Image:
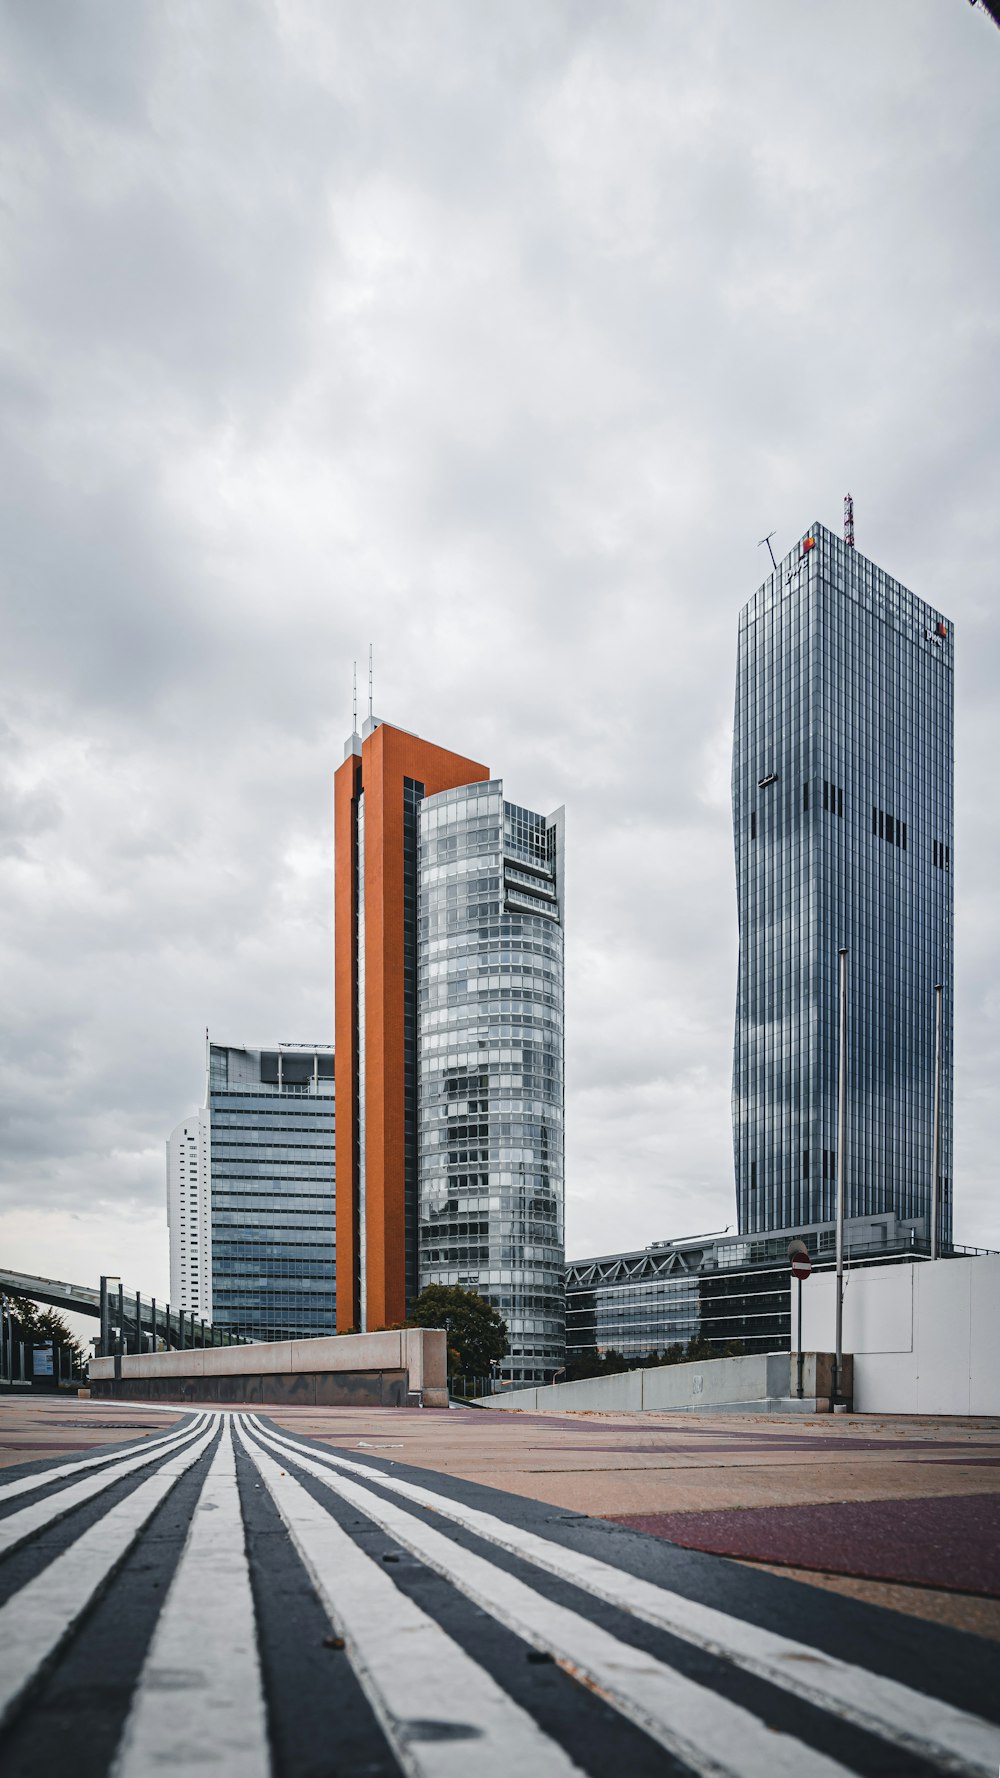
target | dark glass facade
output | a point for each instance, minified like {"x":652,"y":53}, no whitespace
{"x":721,"y":1289}
{"x":843,"y":827}
{"x":272,"y":1191}
{"x":490,"y":1048}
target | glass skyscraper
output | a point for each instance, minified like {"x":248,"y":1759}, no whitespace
{"x":490,"y":1057}
{"x":273,"y":1211}
{"x":843,"y":827}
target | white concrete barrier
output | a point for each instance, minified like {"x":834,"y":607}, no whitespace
{"x":763,"y":1382}
{"x":925,"y":1334}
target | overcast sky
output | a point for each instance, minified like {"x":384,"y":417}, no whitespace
{"x":496,"y":334}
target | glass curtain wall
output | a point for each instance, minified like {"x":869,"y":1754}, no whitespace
{"x":490,"y":1057}
{"x":843,"y":827}
{"x":273,"y":1204}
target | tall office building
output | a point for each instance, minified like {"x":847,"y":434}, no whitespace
{"x":843,"y":825}
{"x":490,"y":1047}
{"x":449,"y":1009}
{"x":189,"y":1216}
{"x":266,"y":1229}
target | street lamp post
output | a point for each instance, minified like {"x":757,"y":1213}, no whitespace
{"x":838,"y":1358}
{"x":936,"y":1138}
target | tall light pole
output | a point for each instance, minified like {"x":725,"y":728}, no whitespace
{"x":838,"y":1359}
{"x":936,"y":1139}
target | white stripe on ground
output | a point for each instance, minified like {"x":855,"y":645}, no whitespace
{"x":700,"y":1727}
{"x":200,"y":1701}
{"x":38,"y":1618}
{"x":444,"y":1716}
{"x":42,"y":1477}
{"x":45,"y":1512}
{"x":926,"y":1726}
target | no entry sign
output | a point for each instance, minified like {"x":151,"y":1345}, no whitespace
{"x":801,"y":1265}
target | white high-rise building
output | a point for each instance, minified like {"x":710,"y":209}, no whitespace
{"x":189,"y":1215}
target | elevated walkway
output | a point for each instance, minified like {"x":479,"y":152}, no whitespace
{"x":125,"y":1315}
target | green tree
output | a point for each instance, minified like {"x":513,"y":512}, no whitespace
{"x":44,"y":1324}
{"x":477,"y":1332}
{"x":599,"y":1364}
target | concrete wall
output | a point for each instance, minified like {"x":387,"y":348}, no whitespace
{"x":718,"y":1382}
{"x":925,"y":1334}
{"x":372,"y":1370}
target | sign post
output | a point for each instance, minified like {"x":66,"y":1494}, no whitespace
{"x":801,"y":1264}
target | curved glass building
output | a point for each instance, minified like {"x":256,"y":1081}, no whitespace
{"x":490,"y":1061}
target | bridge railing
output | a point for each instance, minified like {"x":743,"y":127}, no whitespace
{"x":132,"y":1323}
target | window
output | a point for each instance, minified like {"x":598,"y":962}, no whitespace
{"x":805,"y":1163}
{"x":889,"y":827}
{"x":805,"y":796}
{"x":753,"y":824}
{"x":753,"y":1176}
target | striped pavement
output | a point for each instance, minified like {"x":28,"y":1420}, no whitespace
{"x":234,"y":1599}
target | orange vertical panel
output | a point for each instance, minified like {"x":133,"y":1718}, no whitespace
{"x":387,"y":757}
{"x":345,"y":783}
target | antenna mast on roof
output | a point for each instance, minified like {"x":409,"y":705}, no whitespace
{"x":369,"y":682}
{"x":849,"y":520}
{"x":770,"y":551}
{"x":354,"y":702}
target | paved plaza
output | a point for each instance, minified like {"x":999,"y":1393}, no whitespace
{"x":302,"y":1593}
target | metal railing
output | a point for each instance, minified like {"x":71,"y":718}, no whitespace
{"x":132,"y":1323}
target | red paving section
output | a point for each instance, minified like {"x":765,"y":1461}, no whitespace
{"x":951,"y":1542}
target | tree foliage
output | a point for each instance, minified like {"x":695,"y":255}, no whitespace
{"x":40,"y":1324}
{"x":477,"y":1332}
{"x":612,"y":1363}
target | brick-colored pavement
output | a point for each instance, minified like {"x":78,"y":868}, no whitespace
{"x":36,"y":1428}
{"x":640,"y":1468}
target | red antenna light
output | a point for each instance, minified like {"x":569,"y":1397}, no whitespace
{"x":849,"y":520}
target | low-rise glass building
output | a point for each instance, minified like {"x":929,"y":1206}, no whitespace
{"x":720,"y":1289}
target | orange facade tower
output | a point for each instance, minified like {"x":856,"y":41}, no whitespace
{"x":377,"y":793}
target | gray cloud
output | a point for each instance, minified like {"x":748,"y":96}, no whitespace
{"x":498,"y":336}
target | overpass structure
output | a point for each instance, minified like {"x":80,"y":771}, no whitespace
{"x":129,"y":1322}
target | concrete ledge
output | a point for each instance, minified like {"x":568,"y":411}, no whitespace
{"x":762,"y":1383}
{"x":388,"y":1369}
